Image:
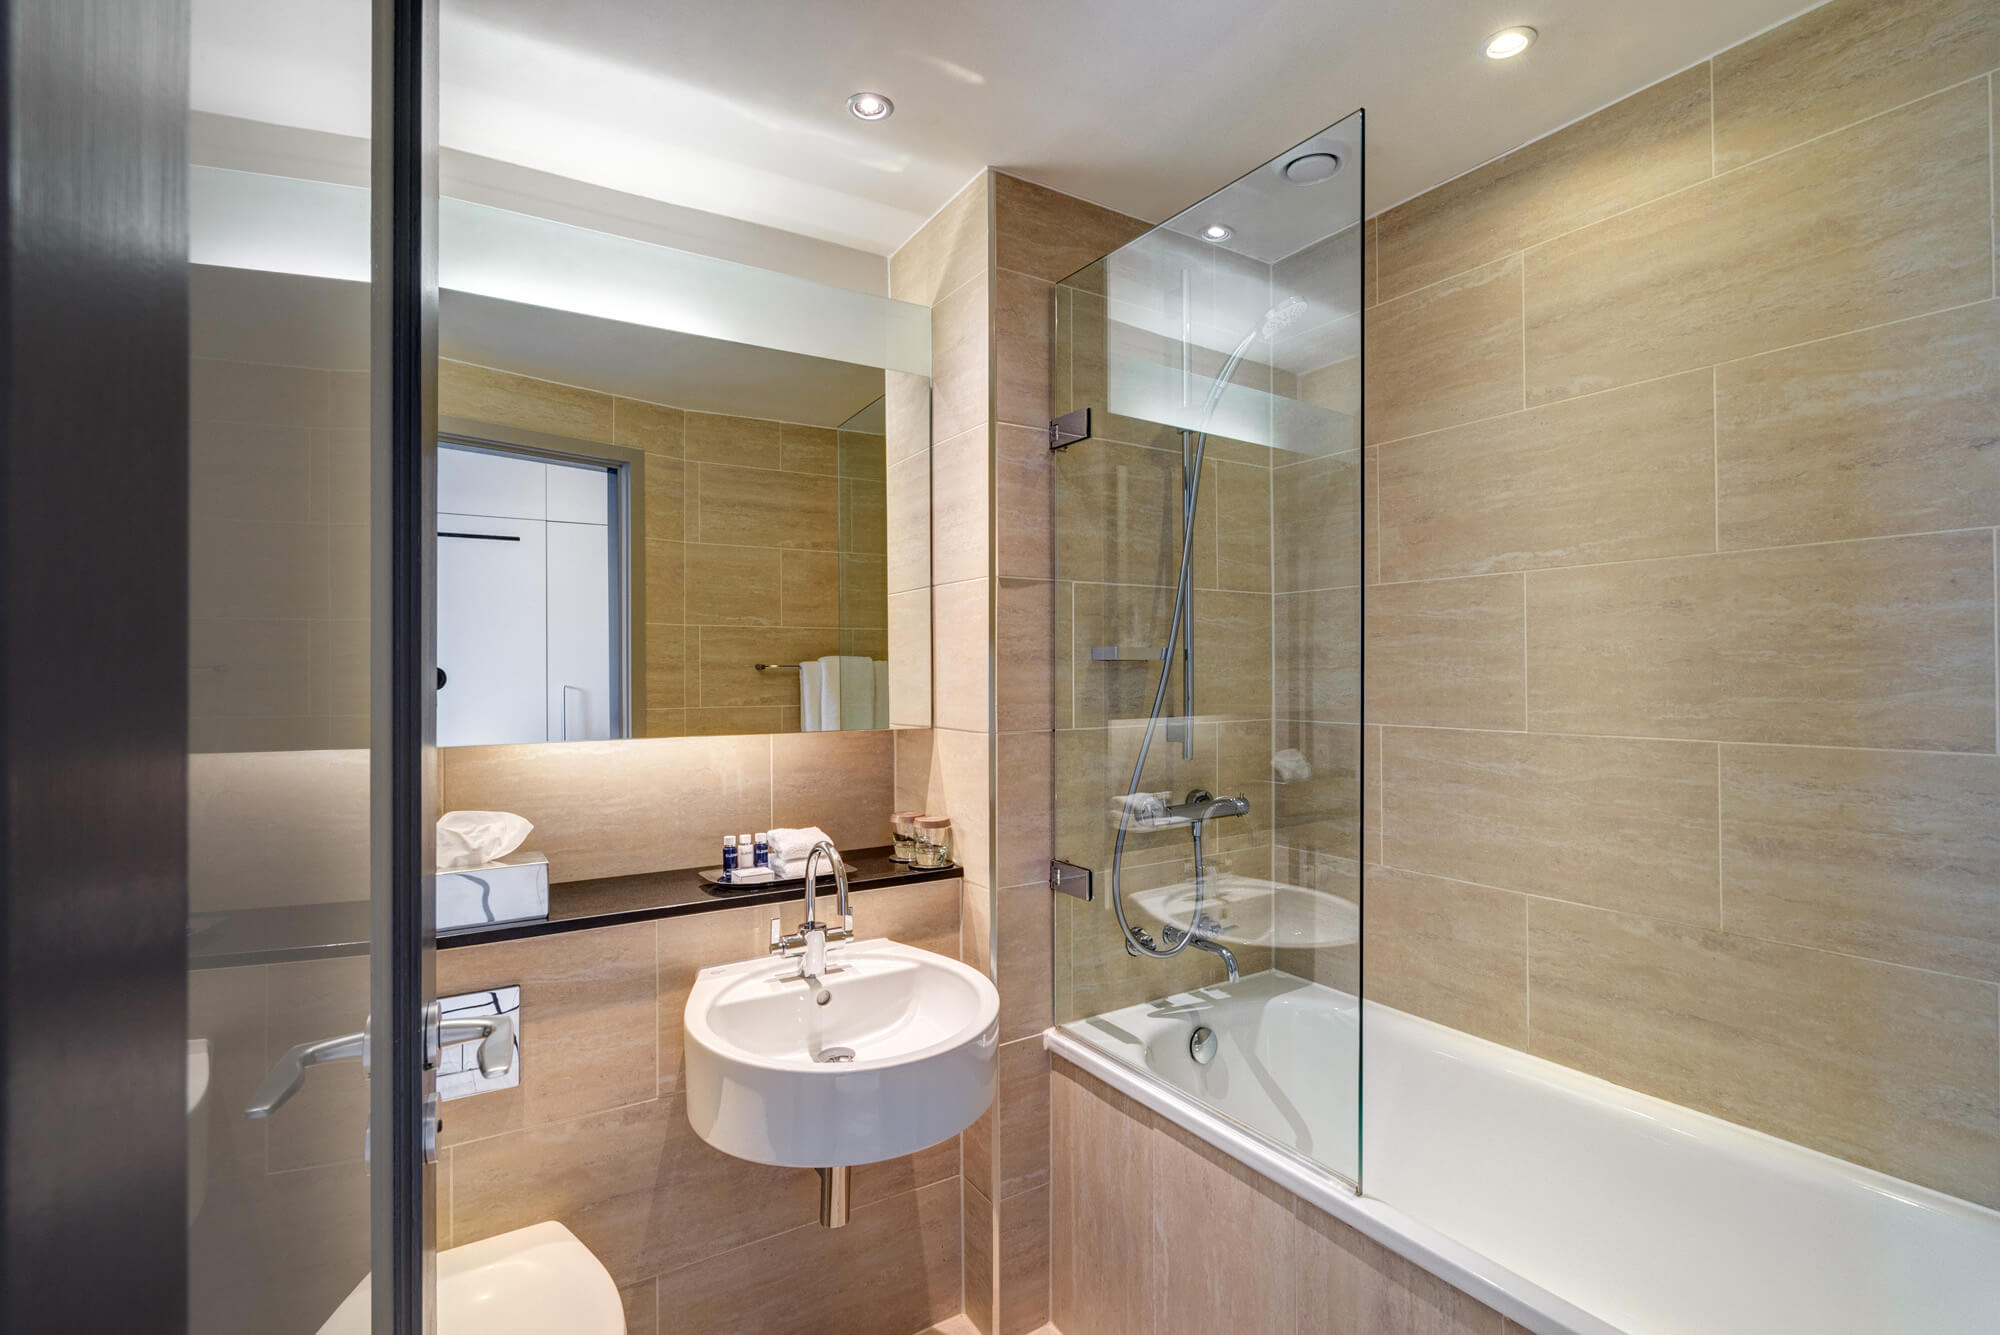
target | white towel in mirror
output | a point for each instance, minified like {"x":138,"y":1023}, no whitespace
{"x":810,"y":687}
{"x":847,"y":692}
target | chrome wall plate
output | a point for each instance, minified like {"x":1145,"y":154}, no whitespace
{"x":458,"y":1065}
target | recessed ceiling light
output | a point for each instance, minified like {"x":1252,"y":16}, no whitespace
{"x":870,"y":106}
{"x":1509,"y":42}
{"x":1217,"y":232}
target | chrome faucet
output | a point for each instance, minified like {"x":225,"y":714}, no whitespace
{"x":1198,"y":931}
{"x":813,"y":936}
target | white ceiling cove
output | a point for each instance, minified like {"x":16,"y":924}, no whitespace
{"x":1142,"y":105}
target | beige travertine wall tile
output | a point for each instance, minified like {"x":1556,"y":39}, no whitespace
{"x":1318,"y":663}
{"x":589,"y":1025}
{"x":625,"y":1182}
{"x":1609,"y":477}
{"x":961,"y":367}
{"x":1892,"y":856}
{"x":617,"y":808}
{"x":740,"y":720}
{"x":1889,"y":430}
{"x":1447,"y":354}
{"x":959,"y":498}
{"x":1840,"y":63}
{"x":1118,"y":515}
{"x":1200,"y":1195}
{"x":979,"y":1220}
{"x":854,"y":1289}
{"x":1050,"y":235}
{"x":1884,"y":220}
{"x":1450,"y":952}
{"x":1023,"y":923}
{"x":666,"y":499}
{"x":1350,"y":1285}
{"x":908,"y":496}
{"x":843,"y":782}
{"x":747,"y":442}
{"x":726,"y":657}
{"x":1023,"y":502}
{"x":809,"y":449}
{"x":642,"y":1315}
{"x":766,"y":508}
{"x":809,"y":592}
{"x":910,"y":659}
{"x":948,"y":251}
{"x":666,"y":582}
{"x":1103,"y":1151}
{"x":487,"y":395}
{"x":685,"y":946}
{"x":1023,"y":320}
{"x":1026,"y":625}
{"x":1460,"y":642}
{"x":1315,"y":524}
{"x":1023,"y":1235}
{"x":1886,"y":643}
{"x":1232,"y":654}
{"x":1651,"y":144}
{"x":1882,"y":1065}
{"x":1320,"y":812}
{"x":1023,"y":1106}
{"x":1621,"y":824}
{"x":961,"y":787}
{"x":961,"y":637}
{"x":651,"y":427}
{"x":735,"y":586}
{"x":1238,"y":526}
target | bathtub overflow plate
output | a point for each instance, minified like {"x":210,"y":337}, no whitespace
{"x":1202,"y":1045}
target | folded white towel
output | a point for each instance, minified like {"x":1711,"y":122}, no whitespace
{"x":475,"y":838}
{"x":1291,"y":765}
{"x":847,"y":696}
{"x":812,"y":683}
{"x":790,"y":847}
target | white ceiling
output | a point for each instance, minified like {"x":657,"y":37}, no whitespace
{"x":1142,"y":105}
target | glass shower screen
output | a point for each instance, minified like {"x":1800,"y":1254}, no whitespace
{"x":1208,"y":600}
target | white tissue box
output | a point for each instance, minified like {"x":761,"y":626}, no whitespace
{"x":514,"y":889}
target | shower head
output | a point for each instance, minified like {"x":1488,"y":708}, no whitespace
{"x":1280,"y":315}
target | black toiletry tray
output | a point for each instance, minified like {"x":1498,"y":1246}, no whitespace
{"x":711,"y":878}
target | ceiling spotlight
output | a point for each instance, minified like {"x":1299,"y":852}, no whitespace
{"x":870,"y":106}
{"x":1217,"y":232}
{"x":1509,"y":42}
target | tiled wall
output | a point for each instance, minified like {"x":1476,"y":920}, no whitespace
{"x":652,"y":804}
{"x":1157,"y":1233}
{"x":745,"y":524}
{"x":1681,"y":674}
{"x":595,"y":1136}
{"x":278,"y":558}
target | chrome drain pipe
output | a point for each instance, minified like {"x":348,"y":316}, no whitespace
{"x":835,"y":1186}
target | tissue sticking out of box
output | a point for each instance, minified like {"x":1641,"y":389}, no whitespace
{"x":475,"y":838}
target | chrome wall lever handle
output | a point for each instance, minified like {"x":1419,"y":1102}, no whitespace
{"x":496,"y":1036}
{"x":290,"y":1073}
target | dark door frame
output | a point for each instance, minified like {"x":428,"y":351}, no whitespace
{"x":93,"y":666}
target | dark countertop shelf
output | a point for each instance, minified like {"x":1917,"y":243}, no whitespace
{"x":327,"y":931}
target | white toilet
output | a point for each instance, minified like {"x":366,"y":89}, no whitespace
{"x":534,"y":1281}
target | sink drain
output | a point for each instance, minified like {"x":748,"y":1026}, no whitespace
{"x":835,"y":1055}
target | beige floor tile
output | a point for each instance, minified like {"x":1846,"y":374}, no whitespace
{"x":1450,"y":952}
{"x":1621,"y":824}
{"x":1834,"y":65}
{"x":1885,"y":1066}
{"x":1884,"y":431}
{"x":1654,"y":142}
{"x":1886,"y":643}
{"x":1892,"y":856}
{"x":1609,"y":477}
{"x":1881,"y":221}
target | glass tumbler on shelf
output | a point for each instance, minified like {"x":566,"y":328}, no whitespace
{"x":903,"y":827}
{"x":933,"y":841}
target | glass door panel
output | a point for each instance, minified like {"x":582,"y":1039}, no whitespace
{"x":1209,"y":572}
{"x":290,"y":820}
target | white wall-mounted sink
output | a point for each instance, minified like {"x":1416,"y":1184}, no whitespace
{"x":900,"y":1057}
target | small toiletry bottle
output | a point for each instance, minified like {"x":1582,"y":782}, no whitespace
{"x":763,"y":853}
{"x":746,"y":852}
{"x":728,"y":856}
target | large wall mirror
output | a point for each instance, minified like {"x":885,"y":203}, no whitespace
{"x":677,"y":495}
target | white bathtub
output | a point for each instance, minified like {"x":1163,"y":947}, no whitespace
{"x":1573,"y":1206}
